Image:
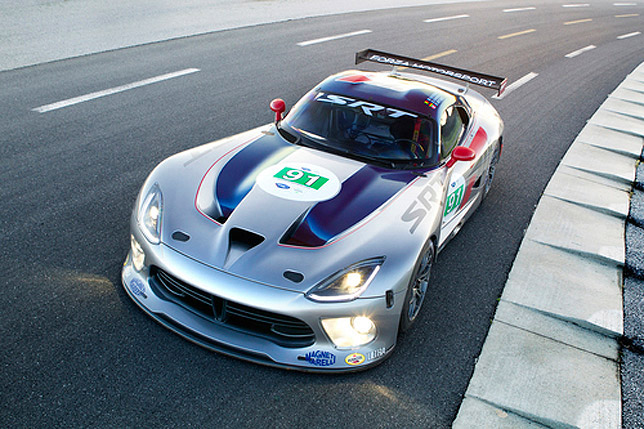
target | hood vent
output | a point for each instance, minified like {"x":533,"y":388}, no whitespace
{"x":244,"y":239}
{"x":240,"y":242}
{"x":293,"y":276}
{"x":180,"y":236}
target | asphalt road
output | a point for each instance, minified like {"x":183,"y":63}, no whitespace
{"x":77,"y":352}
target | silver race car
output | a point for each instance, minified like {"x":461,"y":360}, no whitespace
{"x":308,"y":243}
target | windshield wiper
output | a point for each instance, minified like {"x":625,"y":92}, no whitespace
{"x":400,"y":164}
{"x":393,"y":163}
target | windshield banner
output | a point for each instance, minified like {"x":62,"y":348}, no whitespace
{"x":486,"y":80}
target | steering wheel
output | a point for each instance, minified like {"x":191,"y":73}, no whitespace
{"x":408,"y":144}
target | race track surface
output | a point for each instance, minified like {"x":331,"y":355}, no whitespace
{"x":77,"y":352}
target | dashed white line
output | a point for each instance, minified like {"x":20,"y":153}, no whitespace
{"x":624,"y":4}
{"x":336,"y":37}
{"x":626,"y":36}
{"x":519,"y":9}
{"x":514,"y":85}
{"x":575,"y":5}
{"x":446,"y":18}
{"x":98,"y":94}
{"x":628,"y":15}
{"x":580,"y":51}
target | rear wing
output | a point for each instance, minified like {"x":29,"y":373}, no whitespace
{"x":486,"y":80}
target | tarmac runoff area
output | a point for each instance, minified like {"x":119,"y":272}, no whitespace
{"x":560,"y":336}
{"x":36,"y":31}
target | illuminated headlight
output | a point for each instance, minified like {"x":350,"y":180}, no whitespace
{"x":149,"y":215}
{"x":349,"y":332}
{"x":348,"y":284}
{"x":137,"y":254}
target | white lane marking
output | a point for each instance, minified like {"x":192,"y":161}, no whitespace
{"x":628,"y":15}
{"x":626,"y":36}
{"x":336,"y":37}
{"x":99,"y":94}
{"x":580,"y":51}
{"x":624,"y":4}
{"x":519,"y":9}
{"x":514,"y":85}
{"x":576,"y":5}
{"x":446,"y":18}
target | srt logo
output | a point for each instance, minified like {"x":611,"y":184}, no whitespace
{"x":419,"y":208}
{"x":368,"y":108}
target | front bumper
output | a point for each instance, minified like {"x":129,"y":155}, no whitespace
{"x":320,"y":356}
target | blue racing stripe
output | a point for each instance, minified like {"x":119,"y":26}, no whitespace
{"x":237,"y":178}
{"x":361,"y":194}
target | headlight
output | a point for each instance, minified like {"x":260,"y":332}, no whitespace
{"x":149,"y":216}
{"x":348,"y":284}
{"x":350,"y":332}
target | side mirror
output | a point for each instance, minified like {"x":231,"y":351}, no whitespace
{"x":461,"y":153}
{"x":278,"y":106}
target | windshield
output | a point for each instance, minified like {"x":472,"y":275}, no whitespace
{"x":362,"y":129}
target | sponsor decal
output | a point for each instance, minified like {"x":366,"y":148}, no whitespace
{"x":299,"y":182}
{"x":433,"y":101}
{"x":375,"y":354}
{"x":355,"y":359}
{"x":320,"y":358}
{"x":422,"y":205}
{"x":476,"y":78}
{"x":471,"y":77}
{"x":137,"y":288}
{"x":367,"y":108}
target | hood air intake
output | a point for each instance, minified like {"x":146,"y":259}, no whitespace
{"x":240,"y":242}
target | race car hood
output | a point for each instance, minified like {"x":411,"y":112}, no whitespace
{"x":266,"y":200}
{"x":316,"y":196}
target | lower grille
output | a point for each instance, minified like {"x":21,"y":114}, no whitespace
{"x":283,"y":330}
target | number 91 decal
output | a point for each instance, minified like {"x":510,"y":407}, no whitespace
{"x":302,"y":177}
{"x":454,"y":198}
{"x":299,"y":182}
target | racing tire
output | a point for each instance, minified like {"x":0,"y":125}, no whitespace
{"x":491,"y":170}
{"x":418,"y":286}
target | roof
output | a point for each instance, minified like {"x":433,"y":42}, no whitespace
{"x":389,"y":90}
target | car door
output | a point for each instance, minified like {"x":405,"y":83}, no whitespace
{"x":454,"y":124}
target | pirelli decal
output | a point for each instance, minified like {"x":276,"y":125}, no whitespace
{"x":475,"y":78}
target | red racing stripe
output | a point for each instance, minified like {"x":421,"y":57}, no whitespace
{"x":479,"y":141}
{"x":468,"y":192}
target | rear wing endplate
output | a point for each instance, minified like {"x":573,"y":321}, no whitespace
{"x":475,"y":78}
